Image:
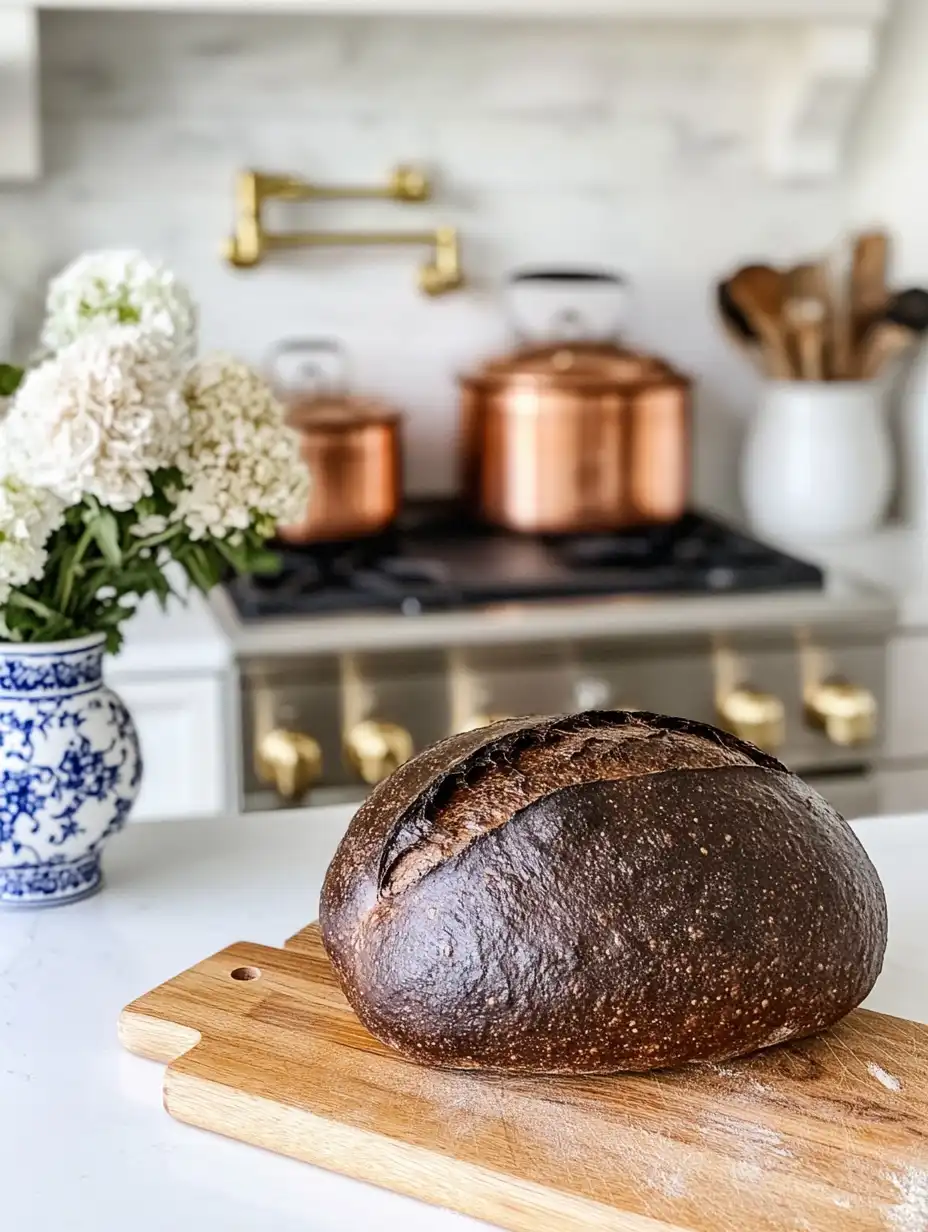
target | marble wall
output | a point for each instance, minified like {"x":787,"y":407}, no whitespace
{"x":632,"y":147}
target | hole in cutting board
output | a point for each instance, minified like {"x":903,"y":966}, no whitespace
{"x":246,"y":973}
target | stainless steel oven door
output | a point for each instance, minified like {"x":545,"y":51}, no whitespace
{"x":854,"y":794}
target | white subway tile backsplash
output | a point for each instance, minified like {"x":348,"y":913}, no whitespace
{"x":621,"y":145}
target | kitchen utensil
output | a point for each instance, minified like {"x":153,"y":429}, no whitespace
{"x":759,"y":292}
{"x":868,"y":293}
{"x":883,"y":343}
{"x":841,"y":334}
{"x":351,"y":445}
{"x":817,"y":461}
{"x":557,"y":304}
{"x":737,"y":325}
{"x":824,"y":1133}
{"x":576,"y":437}
{"x":808,"y":281}
{"x":740,"y":327}
{"x":909,"y":308}
{"x":805,"y":319}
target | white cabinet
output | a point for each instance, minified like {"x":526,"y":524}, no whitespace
{"x":186,"y":746}
{"x":19,"y":92}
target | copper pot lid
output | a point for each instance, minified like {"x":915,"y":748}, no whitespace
{"x":338,"y":413}
{"x":575,"y":364}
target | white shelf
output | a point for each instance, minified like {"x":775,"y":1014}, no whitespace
{"x":643,"y":10}
{"x":822,"y":54}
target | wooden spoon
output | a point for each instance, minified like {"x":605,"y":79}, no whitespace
{"x":733,"y":318}
{"x":738,"y":327}
{"x":808,"y":281}
{"x":759,"y":292}
{"x":806,"y":319}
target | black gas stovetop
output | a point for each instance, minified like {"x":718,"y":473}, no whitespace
{"x":436,"y":559}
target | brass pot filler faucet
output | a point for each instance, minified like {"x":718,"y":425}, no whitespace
{"x":252,"y":241}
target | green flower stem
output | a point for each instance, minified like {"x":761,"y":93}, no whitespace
{"x":18,"y":599}
{"x":70,"y":570}
{"x":153,"y":541}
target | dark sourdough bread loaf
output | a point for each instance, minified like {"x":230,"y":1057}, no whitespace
{"x":599,"y":892}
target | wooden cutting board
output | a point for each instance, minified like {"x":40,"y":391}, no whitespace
{"x":828,"y":1133}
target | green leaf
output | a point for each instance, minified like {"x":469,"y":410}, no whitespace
{"x":263,"y":561}
{"x":18,"y":599}
{"x":204,"y":568}
{"x":10,"y":379}
{"x":105,"y":530}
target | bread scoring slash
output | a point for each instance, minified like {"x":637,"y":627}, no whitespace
{"x":595,"y":893}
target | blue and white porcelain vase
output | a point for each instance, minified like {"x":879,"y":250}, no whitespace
{"x":70,"y":770}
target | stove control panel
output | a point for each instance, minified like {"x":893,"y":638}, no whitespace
{"x":327,"y":727}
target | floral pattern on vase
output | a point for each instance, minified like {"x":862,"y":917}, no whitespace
{"x":70,"y":770}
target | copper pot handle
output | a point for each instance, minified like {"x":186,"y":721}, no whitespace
{"x":324,"y":369}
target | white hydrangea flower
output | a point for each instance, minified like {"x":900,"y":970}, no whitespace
{"x":243,"y":463}
{"x":98,"y":418}
{"x":113,"y":287}
{"x":28,"y":516}
{"x":151,"y":524}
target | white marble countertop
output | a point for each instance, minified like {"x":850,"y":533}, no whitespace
{"x":84,"y":1142}
{"x":893,"y":559}
{"x":184,"y":638}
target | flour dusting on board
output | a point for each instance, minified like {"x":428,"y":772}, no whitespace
{"x":562,"y":1132}
{"x":889,"y":1081}
{"x":741,"y":1077}
{"x":910,"y":1213}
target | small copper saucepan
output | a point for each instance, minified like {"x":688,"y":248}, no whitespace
{"x":351,"y":445}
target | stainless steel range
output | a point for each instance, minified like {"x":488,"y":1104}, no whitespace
{"x":352,"y":658}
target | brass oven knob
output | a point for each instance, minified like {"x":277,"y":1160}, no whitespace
{"x":756,"y":716}
{"x":289,"y":761}
{"x":846,"y":712}
{"x":375,"y":748}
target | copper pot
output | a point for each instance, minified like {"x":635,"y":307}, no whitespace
{"x":576,"y":437}
{"x":351,"y":447}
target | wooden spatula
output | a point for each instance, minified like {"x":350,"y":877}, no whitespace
{"x":760,"y":292}
{"x":883,"y":343}
{"x":840,"y":335}
{"x":868,"y":290}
